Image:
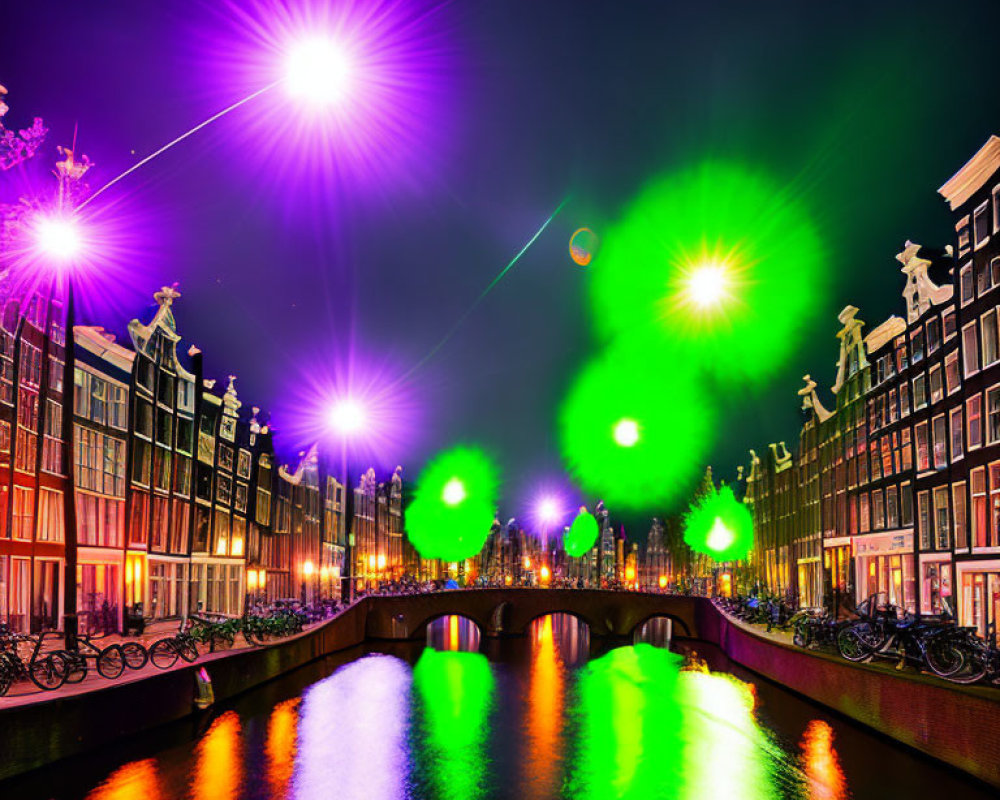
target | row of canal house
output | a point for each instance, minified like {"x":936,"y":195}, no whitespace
{"x":180,"y":505}
{"x":896,"y":488}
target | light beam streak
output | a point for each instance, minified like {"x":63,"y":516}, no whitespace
{"x":465,"y":315}
{"x":178,"y":140}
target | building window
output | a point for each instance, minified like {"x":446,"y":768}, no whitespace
{"x":919,"y":391}
{"x":980,"y":521}
{"x":50,"y":516}
{"x":994,"y":503}
{"x":966,"y":287}
{"x":240,"y":501}
{"x":941,"y":521}
{"x":981,"y":225}
{"x":892,"y":507}
{"x":993,"y":415}
{"x":950,"y":321}
{"x":974,"y":415}
{"x":970,"y":349}
{"x":893,"y":406}
{"x":962,"y":230}
{"x":226,"y":457}
{"x":924,"y":519}
{"x":904,"y":399}
{"x":957,"y":441}
{"x":243,"y":464}
{"x":933,"y":334}
{"x":940,"y":439}
{"x":864,"y":515}
{"x":917,"y":346}
{"x":906,"y":504}
{"x":989,"y":337}
{"x":24,"y":513}
{"x":878,"y":510}
{"x":959,"y":516}
{"x":907,"y":450}
{"x":937,"y":386}
{"x":923,"y":451}
{"x":224,"y":489}
{"x":951,"y":377}
{"x":227,"y":430}
{"x":995,"y":272}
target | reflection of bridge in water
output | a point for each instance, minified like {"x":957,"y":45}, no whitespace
{"x":510,"y":612}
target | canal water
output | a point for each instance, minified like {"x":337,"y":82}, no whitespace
{"x":547,"y":716}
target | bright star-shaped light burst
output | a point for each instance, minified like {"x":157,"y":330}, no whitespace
{"x":706,"y":285}
{"x":347,"y":416}
{"x":362,"y":93}
{"x":318,"y":70}
{"x":626,"y":432}
{"x":453,"y":492}
{"x":58,"y":237}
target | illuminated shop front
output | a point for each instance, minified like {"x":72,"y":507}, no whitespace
{"x":979,"y":584}
{"x":936,"y":584}
{"x":884,"y":563}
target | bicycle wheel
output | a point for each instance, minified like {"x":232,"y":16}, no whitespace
{"x":135,"y":654}
{"x":76,"y":667}
{"x":944,"y":657}
{"x":111,"y":662}
{"x":188,"y":650}
{"x":975,"y":667}
{"x":49,"y":672}
{"x":5,"y":681}
{"x":852,"y":645}
{"x":163,"y":654}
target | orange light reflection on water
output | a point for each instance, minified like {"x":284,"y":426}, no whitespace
{"x":822,"y":766}
{"x":282,"y":736}
{"x":138,"y":780}
{"x":545,"y":714}
{"x":218,"y":764}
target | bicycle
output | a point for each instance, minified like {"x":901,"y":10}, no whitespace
{"x":110,"y":661}
{"x":165,"y":652}
{"x":48,"y":672}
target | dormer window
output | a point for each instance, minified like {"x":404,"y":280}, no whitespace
{"x":981,"y":225}
{"x":917,"y":346}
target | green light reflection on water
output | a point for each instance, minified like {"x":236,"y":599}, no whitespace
{"x":646,"y":729}
{"x":455,"y":696}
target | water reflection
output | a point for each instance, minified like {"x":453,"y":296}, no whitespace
{"x":455,"y":693}
{"x":280,"y":747}
{"x":543,"y":759}
{"x":218,"y":760}
{"x":824,"y":775}
{"x":656,"y":631}
{"x":453,"y":633}
{"x":136,"y":781}
{"x":647,"y":728}
{"x":352,"y":733}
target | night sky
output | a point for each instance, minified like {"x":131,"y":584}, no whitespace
{"x":870,"y":106}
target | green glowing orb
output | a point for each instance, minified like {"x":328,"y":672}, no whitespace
{"x":453,"y":504}
{"x":720,"y":526}
{"x":582,"y":534}
{"x":719,"y":262}
{"x":635,"y":431}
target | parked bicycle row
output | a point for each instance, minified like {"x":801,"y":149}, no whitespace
{"x":879,"y":630}
{"x":42,"y":660}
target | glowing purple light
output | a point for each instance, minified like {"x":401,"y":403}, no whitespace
{"x":319,"y":71}
{"x":57,"y":237}
{"x":548,"y":510}
{"x":363,"y":88}
{"x":347,"y":417}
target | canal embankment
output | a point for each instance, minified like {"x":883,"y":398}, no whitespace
{"x":958,"y":725}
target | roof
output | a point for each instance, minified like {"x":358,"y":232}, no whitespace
{"x":970,"y":178}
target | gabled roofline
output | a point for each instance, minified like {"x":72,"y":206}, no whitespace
{"x":971,"y":177}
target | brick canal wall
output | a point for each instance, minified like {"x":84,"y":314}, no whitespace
{"x":958,"y":725}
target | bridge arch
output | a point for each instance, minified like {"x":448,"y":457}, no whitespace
{"x":678,"y":626}
{"x":526,"y":628}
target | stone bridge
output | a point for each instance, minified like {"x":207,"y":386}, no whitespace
{"x":509,"y":612}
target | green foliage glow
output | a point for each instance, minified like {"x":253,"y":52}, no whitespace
{"x":454,"y":501}
{"x":633,"y":432}
{"x":719,"y":263}
{"x":456,"y":696}
{"x":720,"y":526}
{"x":582,"y":534}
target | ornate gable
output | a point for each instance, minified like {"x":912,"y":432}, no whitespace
{"x":920,"y":291}
{"x":144,"y":337}
{"x":852,"y":348}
